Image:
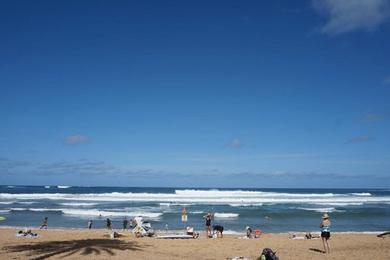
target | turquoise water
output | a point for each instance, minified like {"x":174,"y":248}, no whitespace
{"x":272,"y":210}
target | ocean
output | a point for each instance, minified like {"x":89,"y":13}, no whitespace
{"x":271,"y":210}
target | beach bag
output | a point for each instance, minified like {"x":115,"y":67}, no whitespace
{"x":268,"y":254}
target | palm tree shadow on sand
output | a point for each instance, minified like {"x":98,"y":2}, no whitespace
{"x":317,"y":250}
{"x":43,"y":250}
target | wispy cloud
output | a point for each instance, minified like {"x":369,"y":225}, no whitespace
{"x":373,"y":117}
{"x":345,"y":16}
{"x":235,"y":143}
{"x":76,"y":139}
{"x":7,"y":164}
{"x":359,"y":139}
{"x":89,"y":168}
{"x":386,"y":81}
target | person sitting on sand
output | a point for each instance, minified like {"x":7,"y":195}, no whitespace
{"x":190,"y":231}
{"x":26,"y":233}
{"x":249,"y":232}
{"x":45,"y":223}
{"x":219,"y":230}
{"x":208,"y":218}
{"x":309,"y":235}
{"x":325,"y":232}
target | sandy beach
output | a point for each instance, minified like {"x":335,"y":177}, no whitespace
{"x":96,"y":244}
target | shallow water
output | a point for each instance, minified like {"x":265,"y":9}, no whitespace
{"x":272,"y":210}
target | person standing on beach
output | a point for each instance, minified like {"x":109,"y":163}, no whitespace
{"x":109,"y":224}
{"x":207,"y":219}
{"x":125,"y":223}
{"x":90,"y":224}
{"x":45,"y":223}
{"x":325,"y":232}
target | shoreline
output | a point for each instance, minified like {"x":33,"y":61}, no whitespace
{"x":227,"y":232}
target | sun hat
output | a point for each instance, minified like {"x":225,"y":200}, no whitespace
{"x":247,"y":227}
{"x":325,"y":216}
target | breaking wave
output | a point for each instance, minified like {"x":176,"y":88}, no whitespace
{"x":322,"y":210}
{"x":76,"y":204}
{"x":226,"y":215}
{"x":234,"y":198}
{"x":93,"y":212}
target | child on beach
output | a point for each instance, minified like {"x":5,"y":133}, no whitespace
{"x":325,"y":232}
{"x":45,"y":223}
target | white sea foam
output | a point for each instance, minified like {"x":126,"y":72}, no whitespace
{"x":26,"y":202}
{"x":215,"y":197}
{"x":361,"y":194}
{"x":7,"y":202}
{"x":226,"y":215}
{"x":241,"y":193}
{"x":103,"y":213}
{"x":165,"y":204}
{"x":322,"y":210}
{"x":4,"y":210}
{"x":63,"y":187}
{"x":245,"y":204}
{"x":76,"y":204}
{"x":47,"y":187}
{"x":197,"y":212}
{"x":340,"y":204}
{"x":93,"y":212}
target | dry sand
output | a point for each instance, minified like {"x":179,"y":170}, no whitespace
{"x":95,"y":244}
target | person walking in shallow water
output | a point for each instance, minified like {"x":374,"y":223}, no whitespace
{"x":109,"y":223}
{"x":325,"y":232}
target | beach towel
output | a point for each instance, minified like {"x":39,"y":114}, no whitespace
{"x":27,"y":235}
{"x":175,"y":236}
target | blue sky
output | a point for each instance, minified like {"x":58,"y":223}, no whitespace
{"x":195,"y":93}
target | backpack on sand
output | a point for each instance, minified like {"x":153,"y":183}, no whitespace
{"x":268,"y":254}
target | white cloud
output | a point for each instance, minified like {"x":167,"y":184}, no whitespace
{"x":235,"y":143}
{"x":76,"y":139}
{"x":359,"y":139}
{"x":386,"y":81}
{"x":352,"y":15}
{"x":373,"y":117}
